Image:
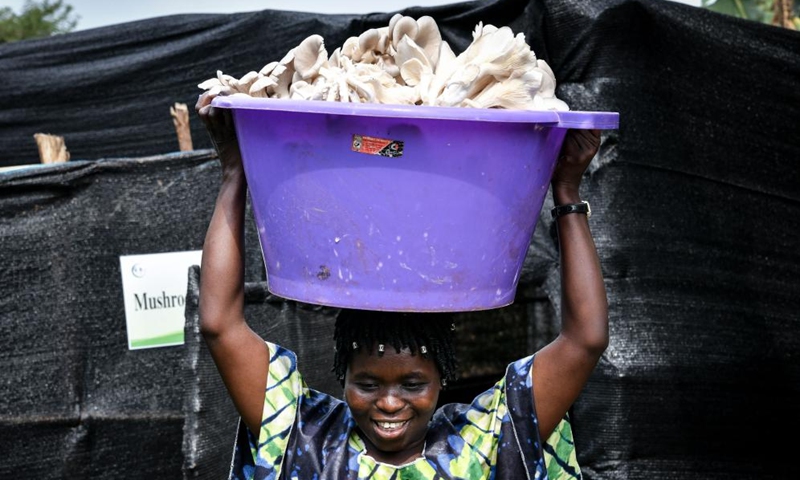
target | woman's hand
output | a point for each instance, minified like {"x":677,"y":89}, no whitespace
{"x":220,"y":127}
{"x":578,"y":149}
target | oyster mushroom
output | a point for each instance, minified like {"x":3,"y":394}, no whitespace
{"x":282,"y":75}
{"x":226,"y":80}
{"x":210,"y":83}
{"x":309,"y":56}
{"x":345,"y":94}
{"x":370,"y":41}
{"x":337,"y":89}
{"x":447,"y":64}
{"x":365,"y":91}
{"x":458,"y":86}
{"x":268,"y":68}
{"x":429,"y":38}
{"x":491,"y":46}
{"x":407,"y":50}
{"x":301,"y":90}
{"x":414,"y":71}
{"x":548,"y":87}
{"x":352,"y":49}
{"x":388,"y":64}
{"x":407,"y":62}
{"x":393,"y":22}
{"x":246,"y":81}
{"x":333,"y":60}
{"x":405,"y":26}
{"x":288,"y":59}
{"x":260,"y":88}
{"x":513,"y":94}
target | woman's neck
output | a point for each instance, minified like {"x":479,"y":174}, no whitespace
{"x":397,"y":459}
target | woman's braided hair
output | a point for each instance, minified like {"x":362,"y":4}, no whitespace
{"x":429,"y":334}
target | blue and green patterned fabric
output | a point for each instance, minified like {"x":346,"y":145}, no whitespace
{"x":309,"y":435}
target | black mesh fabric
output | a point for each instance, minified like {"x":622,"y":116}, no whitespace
{"x":696,"y":219}
{"x":696,"y":200}
{"x":75,"y":402}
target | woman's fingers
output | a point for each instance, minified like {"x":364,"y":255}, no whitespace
{"x":580,"y":145}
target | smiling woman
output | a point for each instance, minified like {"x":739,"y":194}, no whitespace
{"x":392,"y":386}
{"x":394,"y":365}
{"x":388,"y":426}
{"x":392,"y":399}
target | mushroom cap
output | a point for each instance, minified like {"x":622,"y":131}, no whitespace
{"x":333,"y":60}
{"x":352,"y":49}
{"x":268,"y":68}
{"x":407,"y":50}
{"x":208,"y":84}
{"x":405,"y":26}
{"x":510,"y":94}
{"x":393,"y":21}
{"x":429,"y":38}
{"x":309,"y":56}
{"x":283,"y":76}
{"x":260,"y":86}
{"x":248,"y":78}
{"x":301,"y":90}
{"x":413,"y":70}
{"x":370,"y":40}
{"x":226,"y":80}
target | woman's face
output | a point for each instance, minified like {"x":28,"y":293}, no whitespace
{"x":392,"y":398}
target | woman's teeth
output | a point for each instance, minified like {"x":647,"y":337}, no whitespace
{"x":390,"y":425}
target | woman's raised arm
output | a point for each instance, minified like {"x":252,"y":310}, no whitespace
{"x":562,"y":368}
{"x":241,"y":356}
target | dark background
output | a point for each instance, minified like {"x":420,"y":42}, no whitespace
{"x":696,"y":219}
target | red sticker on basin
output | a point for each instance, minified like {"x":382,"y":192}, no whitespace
{"x":377,"y":146}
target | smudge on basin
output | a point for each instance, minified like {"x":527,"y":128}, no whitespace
{"x":324,"y":272}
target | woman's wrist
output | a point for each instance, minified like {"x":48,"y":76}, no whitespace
{"x":233,"y":173}
{"x":565,"y":193}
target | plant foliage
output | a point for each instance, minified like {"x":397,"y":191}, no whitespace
{"x":37,"y":19}
{"x":763,"y":11}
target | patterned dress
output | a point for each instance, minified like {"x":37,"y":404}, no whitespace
{"x":309,"y":435}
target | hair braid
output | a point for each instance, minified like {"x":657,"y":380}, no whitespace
{"x":357,"y":329}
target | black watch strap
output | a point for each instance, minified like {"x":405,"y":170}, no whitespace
{"x":582,"y":207}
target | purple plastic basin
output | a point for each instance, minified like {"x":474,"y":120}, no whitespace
{"x":394,"y":207}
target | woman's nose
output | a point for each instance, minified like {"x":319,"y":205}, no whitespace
{"x":390,"y":402}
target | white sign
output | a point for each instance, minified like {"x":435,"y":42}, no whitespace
{"x":154,"y":288}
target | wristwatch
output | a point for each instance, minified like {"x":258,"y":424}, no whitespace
{"x":582,"y":207}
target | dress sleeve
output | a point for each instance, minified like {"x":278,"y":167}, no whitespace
{"x":558,"y":450}
{"x":559,"y":453}
{"x":263,"y":457}
{"x":498,"y":435}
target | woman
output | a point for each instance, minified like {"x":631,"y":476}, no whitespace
{"x":393,"y":369}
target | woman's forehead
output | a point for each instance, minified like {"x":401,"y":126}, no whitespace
{"x":391,"y":362}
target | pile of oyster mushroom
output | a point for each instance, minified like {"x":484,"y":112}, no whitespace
{"x":407,"y":63}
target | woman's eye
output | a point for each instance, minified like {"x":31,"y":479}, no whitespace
{"x":414,"y":386}
{"x":367,"y":386}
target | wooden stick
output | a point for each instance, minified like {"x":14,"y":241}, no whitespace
{"x":180,"y":117}
{"x":52,"y":148}
{"x":783,"y":12}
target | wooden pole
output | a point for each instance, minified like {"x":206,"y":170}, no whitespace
{"x":783,"y":12}
{"x":180,"y":117}
{"x":51,"y":148}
